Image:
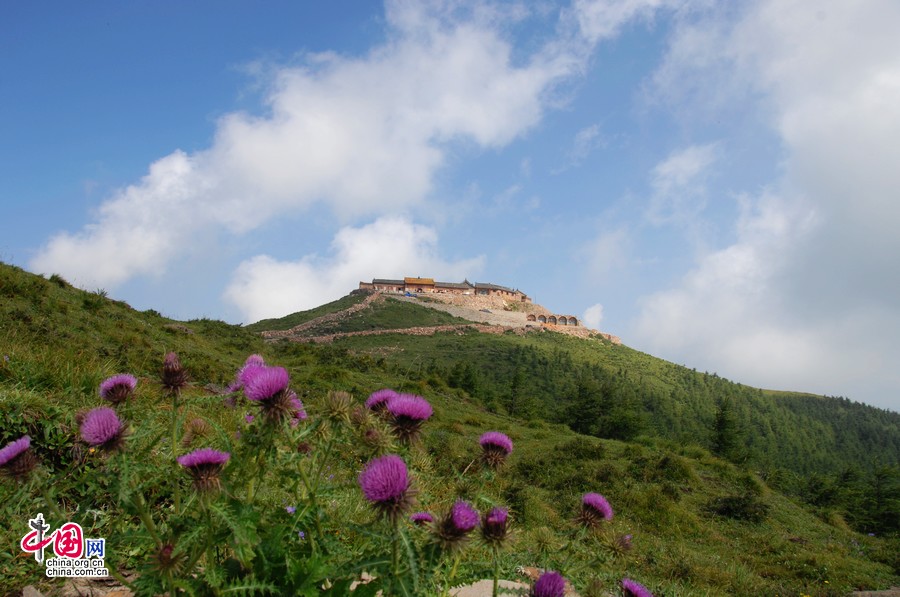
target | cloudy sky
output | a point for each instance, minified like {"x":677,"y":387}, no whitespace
{"x":714,"y":182}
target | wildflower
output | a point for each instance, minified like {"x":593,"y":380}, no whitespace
{"x":195,"y":428}
{"x":634,"y":589}
{"x":421,"y":518}
{"x":205,"y":465}
{"x":494,"y":529}
{"x":253,"y":365}
{"x":118,"y":388}
{"x":378,"y":400}
{"x":386,"y":485}
{"x":269,"y":389}
{"x":594,"y":510}
{"x":299,"y":409}
{"x":622,"y":544}
{"x":452,"y":532}
{"x":302,"y":535}
{"x":290,"y":509}
{"x":337,"y":407}
{"x":248,"y":418}
{"x":17,"y":459}
{"x":174,"y":377}
{"x":496,"y":447}
{"x":103,"y":429}
{"x":408,"y":413}
{"x":167,"y":561}
{"x":550,"y":584}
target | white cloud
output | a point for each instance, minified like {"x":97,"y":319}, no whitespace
{"x":593,"y":316}
{"x":586,"y":140}
{"x":390,"y":247}
{"x":806,"y":297}
{"x":607,"y":252}
{"x":365,"y":135}
{"x":679,"y":185}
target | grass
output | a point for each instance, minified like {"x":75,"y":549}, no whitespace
{"x":62,"y":342}
{"x":295,"y":319}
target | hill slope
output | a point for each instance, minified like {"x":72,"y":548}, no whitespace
{"x":699,"y":525}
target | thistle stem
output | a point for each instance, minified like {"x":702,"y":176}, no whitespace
{"x":495,"y":554}
{"x":395,"y":549}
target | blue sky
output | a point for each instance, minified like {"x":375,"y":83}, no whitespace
{"x":715,"y":184}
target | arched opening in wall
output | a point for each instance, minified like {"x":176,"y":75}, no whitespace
{"x":563,"y":320}
{"x":531,"y":317}
{"x":542,"y":319}
{"x":551,"y":319}
{"x":573,"y":321}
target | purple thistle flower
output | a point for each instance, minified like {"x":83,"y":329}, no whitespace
{"x":385,"y":484}
{"x":408,"y":413}
{"x":102,"y":428}
{"x":297,"y":405}
{"x":247,"y":373}
{"x":635,"y":589}
{"x":464,"y":516}
{"x":268,"y":387}
{"x":249,"y":418}
{"x":254,"y":359}
{"x":452,"y":531}
{"x":174,"y":377}
{"x":495,"y":447}
{"x":17,"y":459}
{"x":118,"y":388}
{"x":594,"y":509}
{"x":14,"y":449}
{"x":267,"y":383}
{"x":204,"y":465}
{"x":378,"y":400}
{"x":549,"y":584}
{"x":495,"y":438}
{"x":421,"y":518}
{"x":494,"y":526}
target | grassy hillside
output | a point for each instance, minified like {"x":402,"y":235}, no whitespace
{"x":286,"y":323}
{"x":699,"y":525}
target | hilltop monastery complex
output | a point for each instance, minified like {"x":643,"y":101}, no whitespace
{"x":475,"y":295}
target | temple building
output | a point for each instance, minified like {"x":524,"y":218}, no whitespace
{"x":423,"y":285}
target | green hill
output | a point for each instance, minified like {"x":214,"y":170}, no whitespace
{"x":585,"y":416}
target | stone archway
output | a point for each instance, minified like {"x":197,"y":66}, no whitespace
{"x":542,"y":319}
{"x":552,"y":319}
{"x":531,"y":317}
{"x":563,"y":320}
